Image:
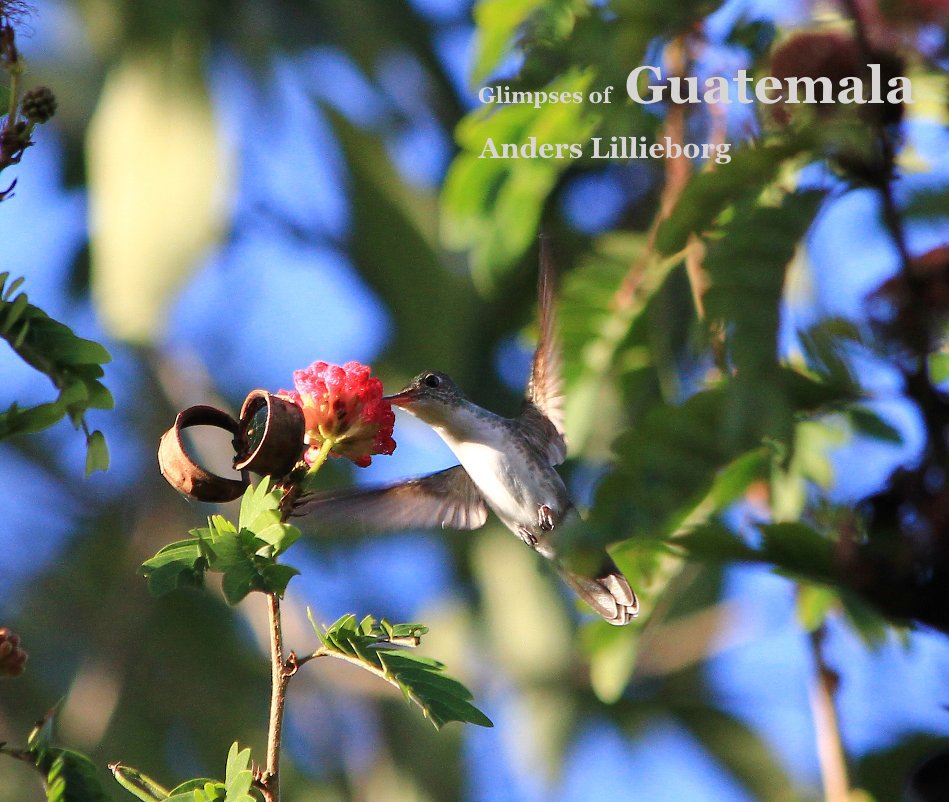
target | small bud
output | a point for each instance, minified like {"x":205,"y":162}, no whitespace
{"x":39,"y":104}
{"x":12,"y":657}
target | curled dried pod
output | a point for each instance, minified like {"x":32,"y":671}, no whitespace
{"x":183,"y":473}
{"x":271,"y":434}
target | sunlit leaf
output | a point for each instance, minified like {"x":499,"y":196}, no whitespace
{"x":97,"y":453}
{"x":140,"y":785}
{"x":421,"y":679}
{"x":492,"y":206}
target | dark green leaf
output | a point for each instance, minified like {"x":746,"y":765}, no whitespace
{"x":714,"y":542}
{"x":239,"y":580}
{"x":709,"y":193}
{"x":71,"y":363}
{"x":798,"y":549}
{"x":928,"y":204}
{"x":71,"y":777}
{"x":276,"y":576}
{"x":746,"y":267}
{"x":868,"y":423}
{"x":177,"y":565}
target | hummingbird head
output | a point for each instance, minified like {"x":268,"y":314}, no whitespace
{"x":428,"y":396}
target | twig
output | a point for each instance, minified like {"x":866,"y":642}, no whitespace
{"x":279,"y":678}
{"x":830,"y":749}
{"x":677,"y":172}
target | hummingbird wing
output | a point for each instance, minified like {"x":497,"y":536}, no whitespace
{"x":446,"y":499}
{"x":542,"y":417}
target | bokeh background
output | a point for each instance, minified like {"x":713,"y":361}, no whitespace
{"x":232,"y":190}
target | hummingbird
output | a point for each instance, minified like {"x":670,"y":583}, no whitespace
{"x":506,"y":465}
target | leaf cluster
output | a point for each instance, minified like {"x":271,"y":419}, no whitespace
{"x":236,"y":787}
{"x":421,"y":679}
{"x":73,"y":364}
{"x":68,"y":775}
{"x":246,"y":554}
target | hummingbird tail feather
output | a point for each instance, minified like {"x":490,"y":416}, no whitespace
{"x":609,"y":594}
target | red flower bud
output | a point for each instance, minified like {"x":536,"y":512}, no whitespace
{"x":343,"y":405}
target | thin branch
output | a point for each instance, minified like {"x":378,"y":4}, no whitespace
{"x":830,"y":749}
{"x":279,"y":679}
{"x":677,"y":172}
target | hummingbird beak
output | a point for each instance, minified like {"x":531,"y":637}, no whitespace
{"x":402,"y":398}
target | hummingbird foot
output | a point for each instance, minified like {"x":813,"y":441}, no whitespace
{"x":527,"y":536}
{"x":545,"y":518}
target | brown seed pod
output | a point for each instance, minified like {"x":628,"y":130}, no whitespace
{"x":12,"y":656}
{"x":271,"y":434}
{"x":183,"y":473}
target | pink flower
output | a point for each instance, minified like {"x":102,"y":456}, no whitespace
{"x":343,"y":405}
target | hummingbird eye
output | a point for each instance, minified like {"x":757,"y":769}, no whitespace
{"x":432,"y":380}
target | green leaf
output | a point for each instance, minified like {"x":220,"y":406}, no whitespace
{"x":71,"y":777}
{"x":239,"y":580}
{"x":868,"y":423}
{"x":496,"y":23}
{"x":41,"y":735}
{"x":746,"y":266}
{"x":276,"y":577}
{"x":421,"y":679}
{"x":238,"y":761}
{"x":793,"y":548}
{"x":6,"y":292}
{"x":177,"y":565}
{"x":238,"y":781}
{"x":97,"y":453}
{"x":138,"y":784}
{"x":246,"y":560}
{"x":280,"y":536}
{"x":928,"y":204}
{"x":667,"y":465}
{"x":608,"y":335}
{"x":814,"y":602}
{"x":238,"y":776}
{"x":798,"y":549}
{"x":714,"y":542}
{"x":612,"y":652}
{"x":185,"y":789}
{"x":71,"y":363}
{"x":734,"y":479}
{"x":872,"y":628}
{"x":13,"y":312}
{"x":258,"y":502}
{"x":709,"y":193}
{"x":34,"y":419}
{"x":493,"y":206}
